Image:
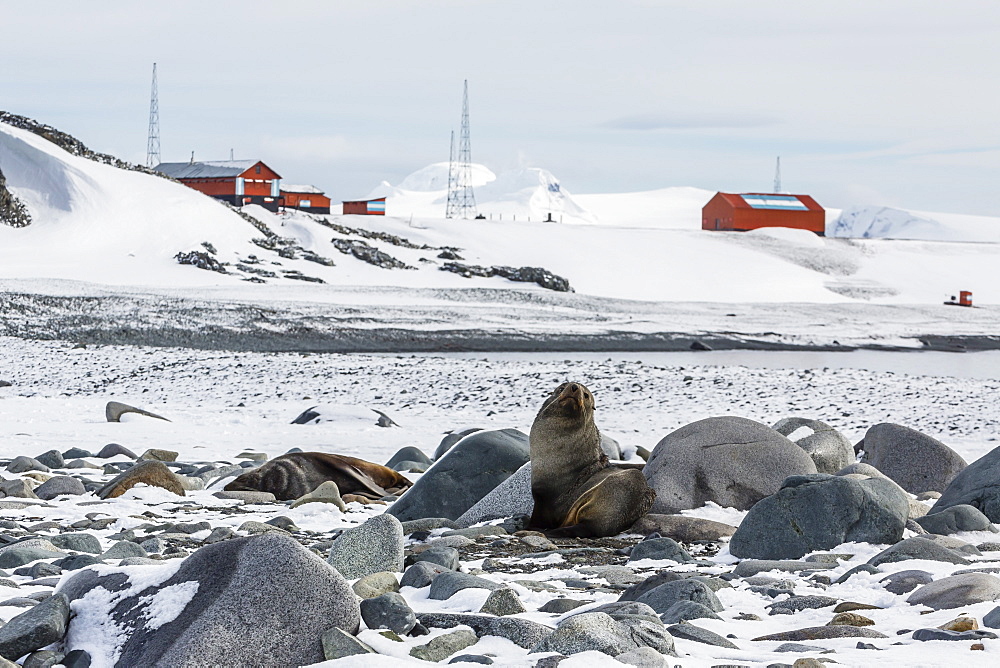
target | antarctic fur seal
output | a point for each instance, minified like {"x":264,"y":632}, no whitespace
{"x":292,"y":475}
{"x":577,"y":492}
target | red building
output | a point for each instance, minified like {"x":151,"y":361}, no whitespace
{"x":238,"y":182}
{"x":305,"y":198}
{"x":366,"y":207}
{"x":750,"y":211}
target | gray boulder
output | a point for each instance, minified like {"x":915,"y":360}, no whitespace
{"x":681,"y":528}
{"x":79,"y":542}
{"x":683,"y":611}
{"x":388,"y":611}
{"x":509,"y":498}
{"x":903,"y":582}
{"x":421,"y":574}
{"x":589,"y":631}
{"x":443,"y":646}
{"x":660,"y":548}
{"x":18,"y":487}
{"x":977,"y":485}
{"x":953,"y":519}
{"x":246,"y":598}
{"x":409,"y":454}
{"x":830,"y":450}
{"x":34,"y":629}
{"x":916,"y":461}
{"x":24,"y":464}
{"x":59,"y":485}
{"x":451,"y":439}
{"x":521,"y":632}
{"x":698,"y":634}
{"x":731,"y":461}
{"x":449,"y":583}
{"x":372,"y":547}
{"x":468,"y":472}
{"x":917,"y":547}
{"x":441,"y":555}
{"x":53,"y":459}
{"x":957,"y":591}
{"x":819,"y":512}
{"x":662,"y":597}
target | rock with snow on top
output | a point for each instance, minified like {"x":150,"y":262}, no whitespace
{"x":260,"y":582}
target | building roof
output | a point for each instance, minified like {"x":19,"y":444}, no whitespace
{"x":205,"y":170}
{"x":775,"y":201}
{"x":309,"y":190}
{"x":359,"y":201}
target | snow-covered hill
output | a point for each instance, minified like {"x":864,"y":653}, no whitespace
{"x":96,"y":223}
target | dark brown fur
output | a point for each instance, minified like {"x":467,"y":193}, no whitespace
{"x":290,"y":476}
{"x":576,"y":491}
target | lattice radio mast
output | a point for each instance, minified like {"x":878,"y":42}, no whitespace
{"x":461,"y":199}
{"x":777,"y":176}
{"x":452,"y":173}
{"x":153,"y":143}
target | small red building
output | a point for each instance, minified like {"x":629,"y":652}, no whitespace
{"x":366,"y":207}
{"x":750,"y":211}
{"x":305,"y":198}
{"x":238,"y":182}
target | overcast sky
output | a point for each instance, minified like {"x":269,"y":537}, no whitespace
{"x":895,"y":103}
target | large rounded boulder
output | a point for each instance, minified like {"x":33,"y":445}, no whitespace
{"x":819,"y":512}
{"x":916,"y":461}
{"x":978,"y":485}
{"x":466,"y":473}
{"x":830,"y":450}
{"x":731,"y":461}
{"x":259,"y":600}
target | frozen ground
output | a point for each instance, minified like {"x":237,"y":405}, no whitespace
{"x":221,"y":404}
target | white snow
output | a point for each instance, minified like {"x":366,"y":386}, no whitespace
{"x":168,"y":603}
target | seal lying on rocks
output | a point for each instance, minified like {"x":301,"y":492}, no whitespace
{"x":577,"y":492}
{"x":290,"y":476}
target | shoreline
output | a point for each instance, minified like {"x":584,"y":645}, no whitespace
{"x":443,"y":321}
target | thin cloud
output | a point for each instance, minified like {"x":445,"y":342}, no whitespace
{"x":691,"y":121}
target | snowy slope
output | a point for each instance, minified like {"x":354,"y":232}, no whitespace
{"x":99,"y":224}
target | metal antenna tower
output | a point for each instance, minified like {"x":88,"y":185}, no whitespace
{"x":153,"y":143}
{"x":452,"y":174}
{"x":461,"y":199}
{"x":777,"y":176}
